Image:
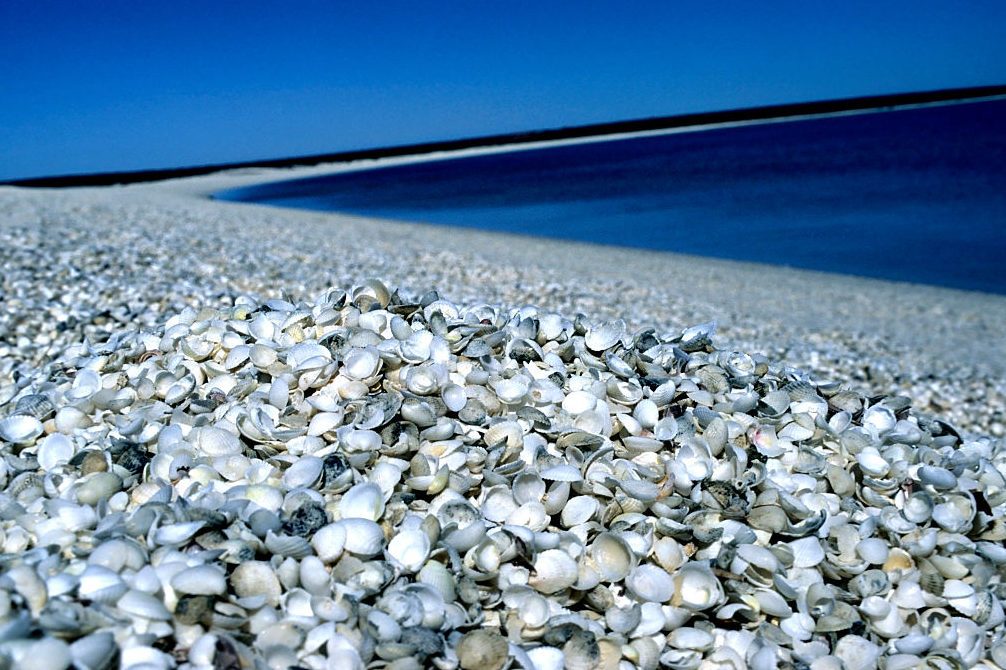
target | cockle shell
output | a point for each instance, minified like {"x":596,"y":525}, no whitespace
{"x":554,"y":570}
{"x":20,"y":429}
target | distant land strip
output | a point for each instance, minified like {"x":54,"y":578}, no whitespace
{"x":869,"y":102}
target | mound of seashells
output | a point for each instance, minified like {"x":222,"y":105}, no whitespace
{"x":365,"y":481}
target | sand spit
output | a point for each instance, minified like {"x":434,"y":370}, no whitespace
{"x":84,"y":261}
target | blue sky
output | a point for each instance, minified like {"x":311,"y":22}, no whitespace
{"x":101,"y":86}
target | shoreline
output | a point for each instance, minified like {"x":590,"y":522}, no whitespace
{"x":166,"y":245}
{"x":644,"y":127}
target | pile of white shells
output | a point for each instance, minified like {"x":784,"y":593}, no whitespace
{"x":366,"y":481}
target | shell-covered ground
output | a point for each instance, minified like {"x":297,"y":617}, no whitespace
{"x":211,"y":460}
{"x":367,"y":480}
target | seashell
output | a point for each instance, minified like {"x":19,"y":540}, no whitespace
{"x":955,"y":514}
{"x":55,"y":450}
{"x":204,"y":580}
{"x":20,"y":429}
{"x":562,"y":473}
{"x":143,"y":605}
{"x":639,"y":489}
{"x":873,"y":550}
{"x":304,"y":473}
{"x":512,"y":390}
{"x":93,"y":652}
{"x":650,"y":583}
{"x":940,"y":479}
{"x":177,"y":533}
{"x":101,"y":585}
{"x":409,"y":550}
{"x":554,"y":571}
{"x":918,"y":507}
{"x":293,"y":546}
{"x":872,"y":463}
{"x":807,"y":552}
{"x":604,"y":335}
{"x":482,"y":649}
{"x":454,"y":397}
{"x":214,"y":441}
{"x":362,"y":363}
{"x":329,"y":541}
{"x":256,"y":578}
{"x":696,"y":588}
{"x":362,"y":501}
{"x":363,"y":537}
{"x":578,"y":510}
{"x":36,"y":405}
{"x":612,"y":556}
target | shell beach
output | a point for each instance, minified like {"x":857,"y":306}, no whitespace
{"x":243,"y":437}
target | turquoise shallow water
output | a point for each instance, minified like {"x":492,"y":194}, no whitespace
{"x":912,"y":195}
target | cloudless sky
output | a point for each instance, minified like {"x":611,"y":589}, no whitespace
{"x":89,"y":86}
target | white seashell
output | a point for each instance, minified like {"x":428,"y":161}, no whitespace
{"x":256,"y":579}
{"x":94,"y":651}
{"x":279,"y":393}
{"x":872,"y":463}
{"x":293,"y":546}
{"x":873,"y":550}
{"x":329,"y":542}
{"x":454,"y":397}
{"x":362,"y":501}
{"x":362,"y":363}
{"x":324,"y":422}
{"x":262,"y":356}
{"x":101,"y":585}
{"x":214,"y":441}
{"x":562,"y":473}
{"x":304,"y":473}
{"x":307,"y":355}
{"x":20,"y":429}
{"x":612,"y":556}
{"x":512,"y":390}
{"x":955,"y":514}
{"x":604,"y":335}
{"x":578,"y":510}
{"x":554,"y":570}
{"x":409,"y":549}
{"x":498,"y":504}
{"x":915,"y":642}
{"x":578,"y":402}
{"x":547,"y":658}
{"x":807,"y":552}
{"x":646,"y":413}
{"x":205,"y":580}
{"x":441,"y":579}
{"x":666,"y":429}
{"x":67,"y":420}
{"x":143,"y":605}
{"x":690,"y":638}
{"x":879,"y":418}
{"x":639,"y":489}
{"x":360,"y":441}
{"x":857,"y":652}
{"x":54,"y":450}
{"x":363,"y":537}
{"x":940,"y":479}
{"x":696,"y":588}
{"x":650,"y":583}
{"x":47,"y":653}
{"x":177,"y":533}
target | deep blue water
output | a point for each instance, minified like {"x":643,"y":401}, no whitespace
{"x":914,"y":195}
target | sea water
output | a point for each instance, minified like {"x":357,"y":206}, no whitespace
{"x":914,"y":195}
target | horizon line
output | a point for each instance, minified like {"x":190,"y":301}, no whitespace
{"x":593,"y":130}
